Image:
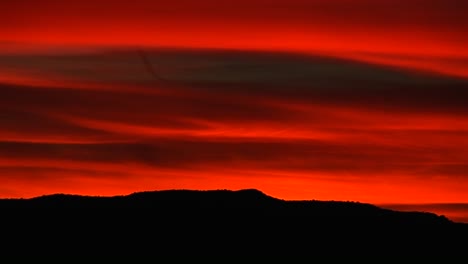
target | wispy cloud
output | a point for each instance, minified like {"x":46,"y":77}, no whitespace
{"x":348,"y":137}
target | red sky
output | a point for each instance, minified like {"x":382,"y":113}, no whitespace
{"x":421,"y":34}
{"x":337,"y":100}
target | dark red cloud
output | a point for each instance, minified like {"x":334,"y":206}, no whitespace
{"x":423,"y":35}
{"x":360,"y":138}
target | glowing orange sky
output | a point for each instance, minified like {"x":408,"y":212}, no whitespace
{"x":336,"y":100}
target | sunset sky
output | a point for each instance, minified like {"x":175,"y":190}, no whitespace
{"x":357,"y":100}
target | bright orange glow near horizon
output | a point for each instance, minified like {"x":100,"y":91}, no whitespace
{"x":303,"y":99}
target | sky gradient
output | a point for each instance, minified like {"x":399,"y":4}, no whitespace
{"x":332,"y":100}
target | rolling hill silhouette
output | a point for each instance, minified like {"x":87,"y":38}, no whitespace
{"x":219,"y":222}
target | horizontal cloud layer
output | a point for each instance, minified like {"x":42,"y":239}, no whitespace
{"x":295,"y":126}
{"x":423,"y":35}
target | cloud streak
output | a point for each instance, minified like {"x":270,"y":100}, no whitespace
{"x":347,"y":138}
{"x":416,"y":34}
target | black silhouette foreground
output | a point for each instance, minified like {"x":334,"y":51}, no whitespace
{"x":222,"y":222}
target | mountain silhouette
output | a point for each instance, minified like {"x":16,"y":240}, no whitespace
{"x":220,"y":222}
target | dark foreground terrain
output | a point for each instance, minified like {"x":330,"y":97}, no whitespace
{"x":227,"y":223}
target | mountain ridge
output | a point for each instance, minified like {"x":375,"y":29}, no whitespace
{"x":223,"y":222}
{"x":246,"y":192}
